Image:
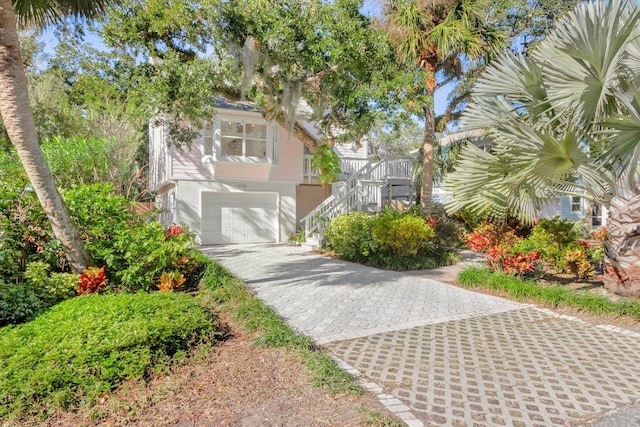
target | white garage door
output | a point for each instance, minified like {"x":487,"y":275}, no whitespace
{"x":238,"y":218}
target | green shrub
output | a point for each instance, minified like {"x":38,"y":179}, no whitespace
{"x":470,"y":220}
{"x":23,"y":300}
{"x":448,"y":234}
{"x":595,"y":253}
{"x":138,"y":254}
{"x":98,"y":211}
{"x":25,"y":233}
{"x":86,"y":346}
{"x":135,"y":252}
{"x":77,"y":161}
{"x":350,"y":236}
{"x":394,"y":241}
{"x":61,"y":286}
{"x":402,"y":236}
{"x":18,"y":302}
{"x":50,"y":287}
{"x":552,"y":236}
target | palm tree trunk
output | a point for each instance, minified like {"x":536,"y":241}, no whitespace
{"x":427,"y":153}
{"x":18,"y":120}
{"x":588,"y":213}
{"x":622,"y":248}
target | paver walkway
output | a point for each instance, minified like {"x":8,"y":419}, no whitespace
{"x":437,"y":354}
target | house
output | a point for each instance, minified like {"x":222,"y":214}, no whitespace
{"x":575,"y":208}
{"x":245,"y":179}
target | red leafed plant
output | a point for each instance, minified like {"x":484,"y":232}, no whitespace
{"x":500,"y":258}
{"x":488,"y":236}
{"x":431,"y":221}
{"x":520,"y":263}
{"x":92,"y":280}
{"x":601,"y":234}
{"x":174,"y":230}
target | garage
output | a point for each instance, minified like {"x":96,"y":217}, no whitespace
{"x":239,"y":218}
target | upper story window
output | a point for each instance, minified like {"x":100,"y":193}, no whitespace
{"x":243,"y":139}
{"x":240,"y":139}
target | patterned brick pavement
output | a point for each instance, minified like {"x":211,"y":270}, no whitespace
{"x":334,"y":300}
{"x":440,"y":355}
{"x":517,"y":368}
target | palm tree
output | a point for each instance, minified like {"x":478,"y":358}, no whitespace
{"x":564,"y":120}
{"x":17,"y":115}
{"x":438,"y":36}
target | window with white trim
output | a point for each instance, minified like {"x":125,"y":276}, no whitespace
{"x":240,"y":140}
{"x":243,"y":138}
{"x":576,"y":204}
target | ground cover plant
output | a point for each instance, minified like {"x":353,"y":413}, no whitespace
{"x":85,"y":347}
{"x":258,"y":372}
{"x":393,"y":240}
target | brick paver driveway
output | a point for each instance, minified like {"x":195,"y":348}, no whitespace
{"x":441,"y":355}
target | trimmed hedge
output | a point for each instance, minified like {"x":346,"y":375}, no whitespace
{"x":86,"y":346}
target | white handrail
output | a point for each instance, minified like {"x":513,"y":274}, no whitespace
{"x":354,"y":193}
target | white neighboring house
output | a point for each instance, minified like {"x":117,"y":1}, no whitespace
{"x":243,"y":180}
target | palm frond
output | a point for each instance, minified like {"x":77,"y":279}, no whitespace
{"x":41,"y":13}
{"x":623,"y":152}
{"x":565,"y":120}
{"x":584,"y":56}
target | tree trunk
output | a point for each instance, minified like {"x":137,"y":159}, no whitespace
{"x":588,"y":213}
{"x":622,"y":248}
{"x":299,"y":132}
{"x":18,"y":120}
{"x":427,"y":154}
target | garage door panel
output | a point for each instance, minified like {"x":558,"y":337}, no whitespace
{"x":238,"y":218}
{"x":226,"y":224}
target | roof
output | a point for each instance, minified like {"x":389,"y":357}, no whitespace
{"x":303,"y":111}
{"x":221,"y":102}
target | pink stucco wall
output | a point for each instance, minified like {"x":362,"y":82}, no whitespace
{"x":289,"y":167}
{"x":187,"y":162}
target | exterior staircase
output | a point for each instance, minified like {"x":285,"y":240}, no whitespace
{"x":368,"y":189}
